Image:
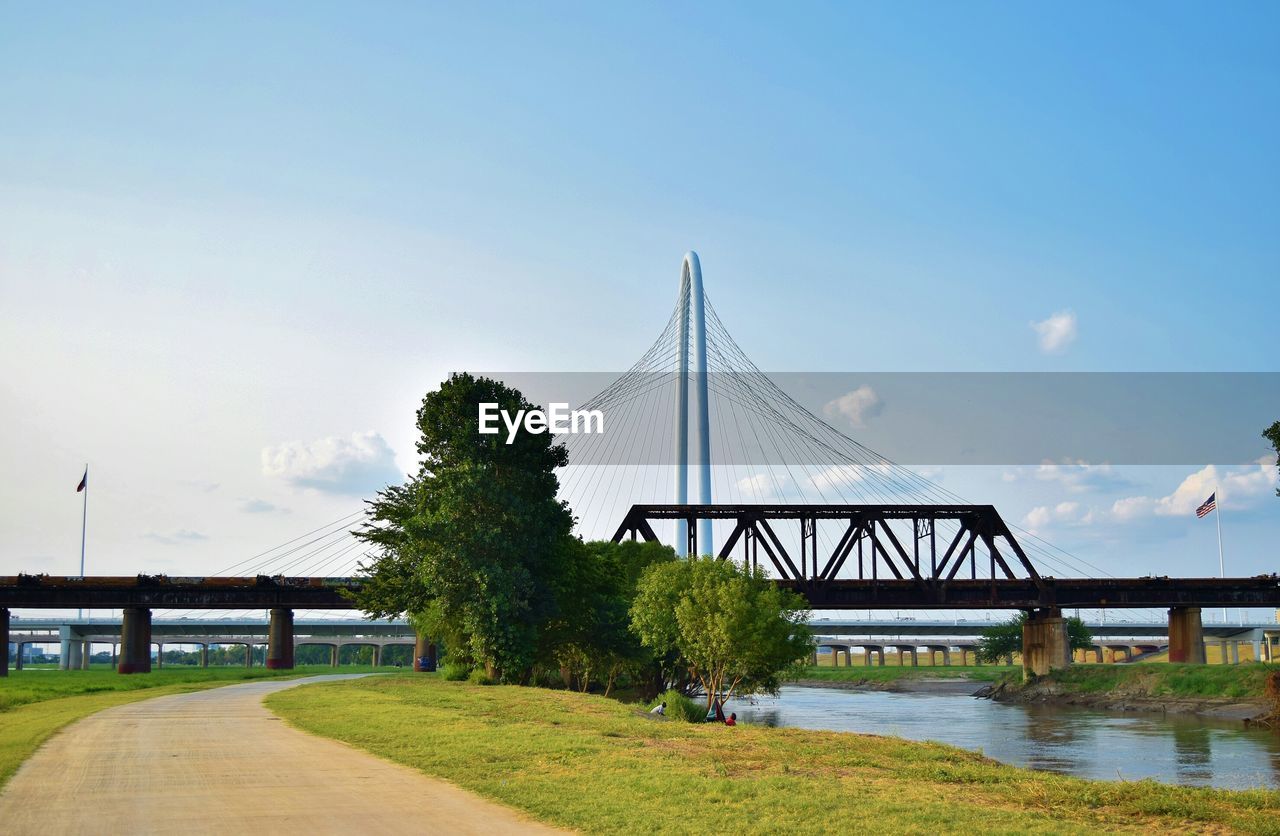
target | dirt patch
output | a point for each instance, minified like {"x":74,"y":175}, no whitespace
{"x":954,"y":685}
{"x":1051,"y":692}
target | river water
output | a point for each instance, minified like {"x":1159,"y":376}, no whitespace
{"x":1073,"y":741}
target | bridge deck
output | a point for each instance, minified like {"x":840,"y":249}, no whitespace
{"x":41,"y":591}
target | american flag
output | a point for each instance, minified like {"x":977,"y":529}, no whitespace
{"x":1209,"y":505}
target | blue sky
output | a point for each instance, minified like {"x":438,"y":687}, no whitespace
{"x":233,"y":229}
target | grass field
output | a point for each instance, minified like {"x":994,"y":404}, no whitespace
{"x":1238,"y":682}
{"x":594,"y":764}
{"x":876,"y":673}
{"x":36,"y":703}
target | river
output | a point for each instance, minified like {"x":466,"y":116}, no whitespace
{"x":1074,"y":741}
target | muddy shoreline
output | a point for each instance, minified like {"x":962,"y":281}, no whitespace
{"x":1049,"y":693}
{"x":907,"y":685}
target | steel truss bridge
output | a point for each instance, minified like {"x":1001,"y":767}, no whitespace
{"x":871,"y":566}
{"x":929,"y":572}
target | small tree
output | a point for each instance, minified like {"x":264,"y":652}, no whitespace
{"x":1272,"y":434}
{"x":732,"y":629}
{"x":995,"y":643}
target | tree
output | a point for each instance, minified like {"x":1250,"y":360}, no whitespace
{"x":1002,"y":640}
{"x":731,"y":628}
{"x":1272,"y":434}
{"x":471,"y":546}
{"x":592,"y":637}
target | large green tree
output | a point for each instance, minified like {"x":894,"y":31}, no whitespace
{"x":733,"y":630}
{"x":1272,"y":434}
{"x":471,"y":547}
{"x":592,"y":636}
{"x":1004,"y":640}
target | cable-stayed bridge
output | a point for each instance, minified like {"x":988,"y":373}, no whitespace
{"x":694,"y":411}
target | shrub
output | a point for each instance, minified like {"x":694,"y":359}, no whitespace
{"x":454,"y":672}
{"x":479,"y":677}
{"x":681,"y":707}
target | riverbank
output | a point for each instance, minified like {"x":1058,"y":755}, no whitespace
{"x":35,"y":704}
{"x":1231,"y":692}
{"x":593,"y":764}
{"x":960,"y":679}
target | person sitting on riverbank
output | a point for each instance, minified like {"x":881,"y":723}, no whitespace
{"x":659,"y":709}
{"x":732,"y":720}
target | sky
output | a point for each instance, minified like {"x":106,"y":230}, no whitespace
{"x":238,"y":244}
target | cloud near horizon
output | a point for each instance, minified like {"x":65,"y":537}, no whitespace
{"x":1057,"y":332}
{"x":359,"y":465}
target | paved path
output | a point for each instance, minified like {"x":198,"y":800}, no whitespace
{"x":218,"y":761}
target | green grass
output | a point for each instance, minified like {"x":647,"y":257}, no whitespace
{"x":36,"y":703}
{"x":1237,"y":682}
{"x":876,"y":673}
{"x":590,"y":763}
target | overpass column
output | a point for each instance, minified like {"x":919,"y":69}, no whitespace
{"x":1186,"y":636}
{"x":1045,"y":645}
{"x":424,"y":654}
{"x":204,"y":655}
{"x":75,"y":656}
{"x":86,"y":651}
{"x":377,"y":655}
{"x":280,"y":639}
{"x":4,"y":642}
{"x":135,"y":640}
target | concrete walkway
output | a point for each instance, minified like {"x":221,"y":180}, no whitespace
{"x":218,"y":761}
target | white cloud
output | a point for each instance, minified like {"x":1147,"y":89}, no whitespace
{"x":838,"y":476}
{"x":259,"y":506}
{"x":1080,"y":477}
{"x":1236,"y":488}
{"x":172,"y":538}
{"x":763,"y":485}
{"x":1057,"y":332}
{"x":1064,"y":513}
{"x":856,"y":406}
{"x":357,"y":465}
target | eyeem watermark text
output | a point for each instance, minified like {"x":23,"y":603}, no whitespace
{"x":557,"y":420}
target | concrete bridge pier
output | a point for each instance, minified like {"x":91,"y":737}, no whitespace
{"x":135,"y":641}
{"x":280,"y":639}
{"x":4,"y":642}
{"x":1045,"y":644}
{"x":86,"y":654}
{"x":333,"y":655}
{"x":73,"y":658}
{"x":204,"y":655}
{"x":424,"y":654}
{"x":1186,"y":636}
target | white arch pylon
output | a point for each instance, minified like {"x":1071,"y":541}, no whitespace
{"x":692,"y":316}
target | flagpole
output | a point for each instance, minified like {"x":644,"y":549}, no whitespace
{"x":84,"y":521}
{"x":1217,"y":518}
